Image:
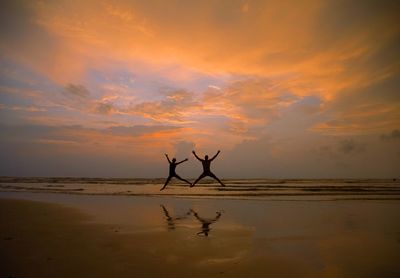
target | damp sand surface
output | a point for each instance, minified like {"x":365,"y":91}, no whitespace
{"x":261,"y":189}
{"x":79,"y":235}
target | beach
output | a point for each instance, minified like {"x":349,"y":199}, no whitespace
{"x":64,"y":234}
{"x":199,"y":139}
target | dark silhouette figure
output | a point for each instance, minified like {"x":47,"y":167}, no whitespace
{"x":205,"y":223}
{"x":206,"y":168}
{"x":171,"y":220}
{"x":172,"y":173}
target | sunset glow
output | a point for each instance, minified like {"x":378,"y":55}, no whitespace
{"x":297,"y":89}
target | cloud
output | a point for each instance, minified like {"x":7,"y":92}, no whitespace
{"x":138,"y":129}
{"x":249,"y":103}
{"x":77,"y":96}
{"x":104,"y":108}
{"x":336,"y":56}
{"x":77,"y":134}
{"x":349,"y":146}
{"x":261,"y":76}
{"x":214,"y":87}
{"x":174,"y":108}
{"x":240,"y":106}
{"x":370,"y":109}
{"x":23,"y":108}
{"x":76,"y":91}
{"x":318,"y":49}
{"x":69,"y":138}
{"x":74,"y":96}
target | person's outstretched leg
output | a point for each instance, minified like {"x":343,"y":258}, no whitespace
{"x":182,"y":179}
{"x":166,"y":182}
{"x":215,"y":177}
{"x":199,"y":178}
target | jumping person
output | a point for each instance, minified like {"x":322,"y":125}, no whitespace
{"x":206,"y":168}
{"x":172,"y":173}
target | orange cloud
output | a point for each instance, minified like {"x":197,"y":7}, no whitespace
{"x":269,"y":54}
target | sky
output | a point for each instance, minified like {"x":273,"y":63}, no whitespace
{"x":285,"y":89}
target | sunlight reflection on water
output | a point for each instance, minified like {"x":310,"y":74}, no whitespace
{"x":317,"y":238}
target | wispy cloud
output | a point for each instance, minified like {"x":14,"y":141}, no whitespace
{"x":131,"y":74}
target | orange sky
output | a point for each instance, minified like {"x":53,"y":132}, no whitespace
{"x":270,"y":81}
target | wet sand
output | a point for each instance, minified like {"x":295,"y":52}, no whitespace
{"x":64,"y":235}
{"x":261,"y":189}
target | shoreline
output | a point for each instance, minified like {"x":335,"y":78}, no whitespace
{"x":235,"y":189}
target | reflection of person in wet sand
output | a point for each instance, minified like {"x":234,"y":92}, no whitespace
{"x":206,"y":168}
{"x":171,"y":220}
{"x":205,"y":223}
{"x":172,"y":173}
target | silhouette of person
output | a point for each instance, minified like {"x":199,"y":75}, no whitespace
{"x":172,"y":173}
{"x":206,"y":168}
{"x":205,"y":223}
{"x":171,"y":220}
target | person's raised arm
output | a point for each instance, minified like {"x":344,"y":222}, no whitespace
{"x":196,"y":215}
{"x":166,"y":155}
{"x":217,"y":217}
{"x":186,"y":159}
{"x":215,"y":156}
{"x":196,"y":156}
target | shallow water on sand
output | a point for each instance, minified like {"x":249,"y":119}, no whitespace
{"x":343,"y":238}
{"x":295,"y":189}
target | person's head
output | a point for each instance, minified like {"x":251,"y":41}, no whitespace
{"x":206,"y":157}
{"x":174,"y":159}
